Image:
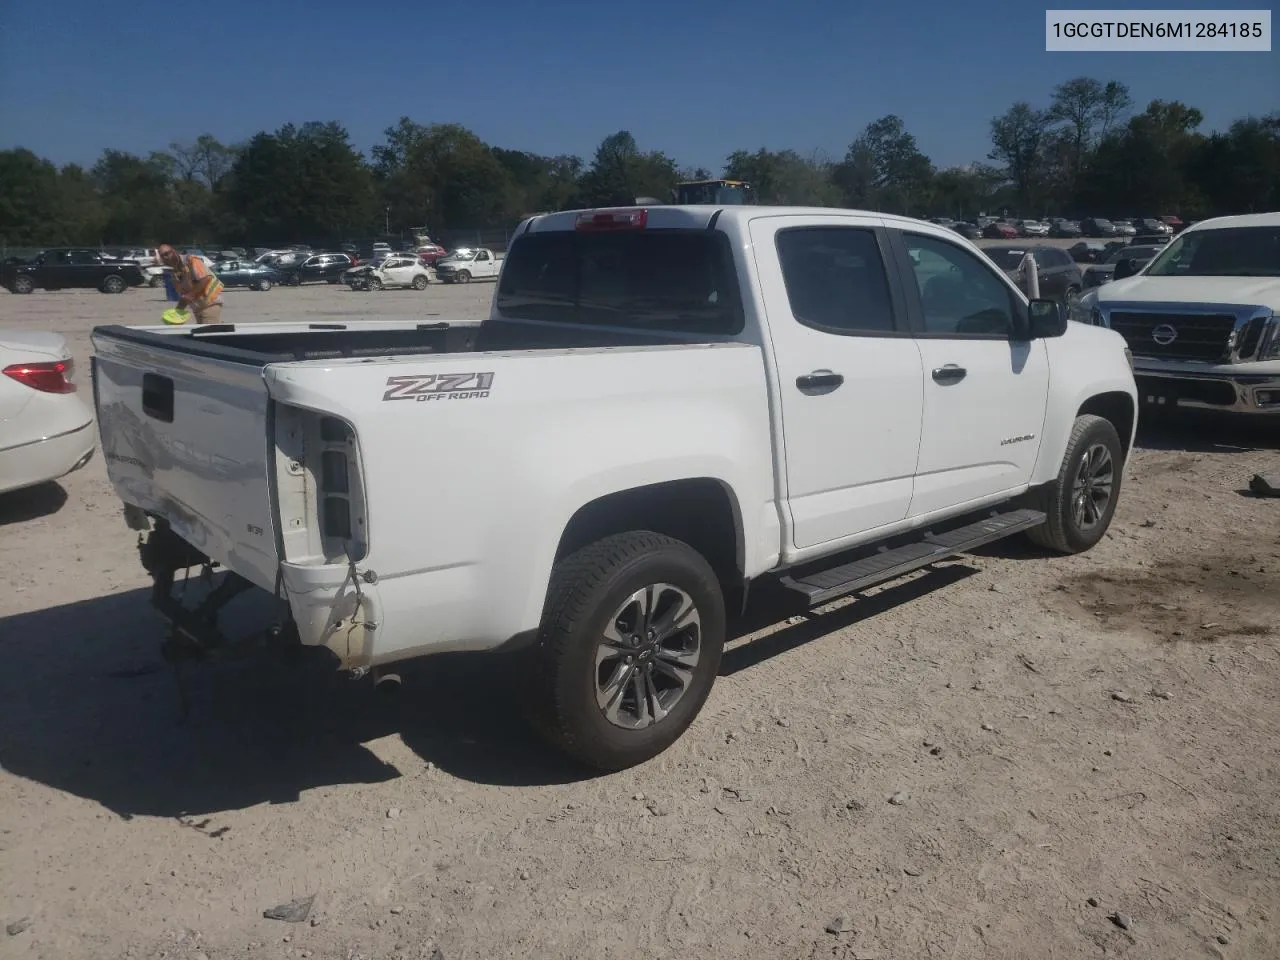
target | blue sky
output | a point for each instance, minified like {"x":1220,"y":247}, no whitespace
{"x":696,"y":80}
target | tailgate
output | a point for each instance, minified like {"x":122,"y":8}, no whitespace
{"x":186,"y":438}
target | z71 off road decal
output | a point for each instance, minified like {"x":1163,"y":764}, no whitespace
{"x":439,"y":386}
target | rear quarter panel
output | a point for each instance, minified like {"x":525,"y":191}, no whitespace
{"x":468,"y":497}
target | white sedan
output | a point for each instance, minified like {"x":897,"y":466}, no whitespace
{"x":46,"y":429}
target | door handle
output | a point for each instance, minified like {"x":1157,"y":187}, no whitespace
{"x":819,"y":379}
{"x":951,"y":373}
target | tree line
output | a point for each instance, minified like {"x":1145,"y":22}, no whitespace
{"x":1084,"y":152}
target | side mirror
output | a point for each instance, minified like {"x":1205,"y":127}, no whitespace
{"x":1046,"y":319}
{"x":1124,"y":268}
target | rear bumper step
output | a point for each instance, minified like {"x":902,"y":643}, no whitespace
{"x":887,"y":563}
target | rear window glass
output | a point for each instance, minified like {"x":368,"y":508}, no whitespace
{"x":676,"y":280}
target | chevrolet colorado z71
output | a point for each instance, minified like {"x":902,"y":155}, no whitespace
{"x":1202,"y":318}
{"x":664,"y":407}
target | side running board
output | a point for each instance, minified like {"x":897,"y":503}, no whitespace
{"x":887,"y":563}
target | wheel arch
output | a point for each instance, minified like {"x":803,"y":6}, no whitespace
{"x":701,"y":511}
{"x":1118,"y":408}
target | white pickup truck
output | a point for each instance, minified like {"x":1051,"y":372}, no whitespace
{"x":469,"y":263}
{"x":665,"y":408}
{"x":1202,"y":318}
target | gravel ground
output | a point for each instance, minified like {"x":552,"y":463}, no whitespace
{"x":1006,"y":756}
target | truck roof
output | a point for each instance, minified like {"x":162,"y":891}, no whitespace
{"x":695,"y":217}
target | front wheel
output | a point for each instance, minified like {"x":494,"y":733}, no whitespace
{"x":1071,"y":297}
{"x":463,"y":276}
{"x":629,"y":647}
{"x":264,"y":285}
{"x":22,"y":285}
{"x":373,"y":283}
{"x":155,"y":282}
{"x":1082,"y":500}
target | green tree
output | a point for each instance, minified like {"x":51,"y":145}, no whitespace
{"x":1240,"y":170}
{"x":620,"y":172}
{"x":784,"y":177}
{"x":1018,"y":142}
{"x":137,"y":203}
{"x":443,"y":176}
{"x":1147,"y":168}
{"x":299,"y":183}
{"x":884,"y":169}
{"x":28,"y":198}
{"x":1087,"y":110}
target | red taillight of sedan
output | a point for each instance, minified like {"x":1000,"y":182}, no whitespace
{"x":53,"y":377}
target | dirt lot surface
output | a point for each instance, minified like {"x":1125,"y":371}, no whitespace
{"x":1007,"y":756}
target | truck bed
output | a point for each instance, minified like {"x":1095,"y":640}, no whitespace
{"x":260,"y":344}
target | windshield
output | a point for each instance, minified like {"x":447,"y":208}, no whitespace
{"x":460,"y":255}
{"x":675,"y":280}
{"x":1227,"y":252}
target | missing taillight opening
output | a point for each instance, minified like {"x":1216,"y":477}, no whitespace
{"x":333,"y":472}
{"x":52,"y":377}
{"x":337,"y":518}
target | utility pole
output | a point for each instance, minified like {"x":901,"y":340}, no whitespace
{"x":387,"y":223}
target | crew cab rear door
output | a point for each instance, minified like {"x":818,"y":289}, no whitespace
{"x":848,"y":371}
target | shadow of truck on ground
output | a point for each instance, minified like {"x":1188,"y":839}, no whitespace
{"x":87,"y":706}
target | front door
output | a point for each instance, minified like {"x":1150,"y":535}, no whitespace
{"x":848,"y":376}
{"x":985,"y":387}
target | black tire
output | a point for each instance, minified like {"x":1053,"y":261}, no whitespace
{"x":1063,"y":531}
{"x":113,"y":284}
{"x":293,"y":280}
{"x":22,"y":285}
{"x":373,"y":283}
{"x":155,"y":282}
{"x":463,"y":276}
{"x":264,"y":285}
{"x":1071,"y":296}
{"x":587,"y":588}
{"x":419,"y":282}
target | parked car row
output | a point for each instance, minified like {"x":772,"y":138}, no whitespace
{"x":1007,"y":228}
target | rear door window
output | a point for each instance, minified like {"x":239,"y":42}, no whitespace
{"x":669,"y":280}
{"x":835,"y":279}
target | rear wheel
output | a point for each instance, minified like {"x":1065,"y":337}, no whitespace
{"x":629,"y":647}
{"x":22,"y":285}
{"x":113,"y":284}
{"x":419,"y":283}
{"x":1082,"y":500}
